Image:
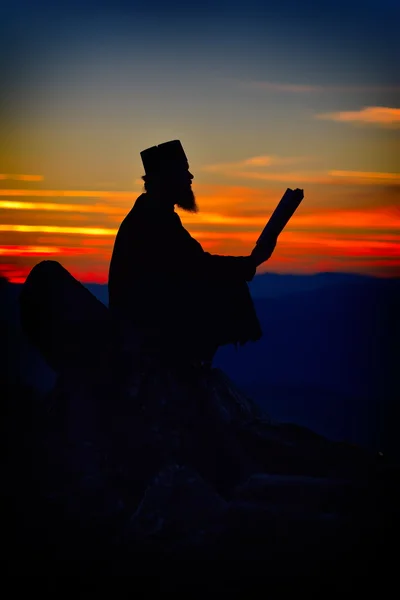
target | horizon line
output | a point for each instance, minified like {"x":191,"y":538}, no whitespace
{"x":4,"y":279}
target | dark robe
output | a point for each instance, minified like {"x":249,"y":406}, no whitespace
{"x":178,"y":298}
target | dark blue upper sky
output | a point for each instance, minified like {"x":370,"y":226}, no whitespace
{"x":368,"y":29}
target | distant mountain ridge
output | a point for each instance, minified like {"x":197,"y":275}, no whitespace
{"x":275,"y":284}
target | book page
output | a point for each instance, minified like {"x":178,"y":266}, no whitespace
{"x":281,"y":215}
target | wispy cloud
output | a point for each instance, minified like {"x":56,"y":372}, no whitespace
{"x":368,"y":176}
{"x":364,"y":192}
{"x":342,"y":223}
{"x":21,"y":177}
{"x":336,"y":245}
{"x":213,"y":218}
{"x":370,"y":115}
{"x":58,"y":207}
{"x":261,"y":168}
{"x":293,"y":88}
{"x":296,"y":88}
{"x":57,"y":229}
{"x":290,"y":178}
{"x":69,"y":194}
{"x":348,"y":219}
{"x":282,"y":177}
{"x":44,"y":251}
{"x":264,"y":160}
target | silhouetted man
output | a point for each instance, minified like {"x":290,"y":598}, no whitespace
{"x":176,"y":299}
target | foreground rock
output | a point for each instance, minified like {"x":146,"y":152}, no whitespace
{"x":115,"y":470}
{"x":175,"y":482}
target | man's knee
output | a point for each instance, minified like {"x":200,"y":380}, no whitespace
{"x":46,"y":269}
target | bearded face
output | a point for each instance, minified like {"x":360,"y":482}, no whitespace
{"x":186,"y":199}
{"x":175,"y":188}
{"x":182,"y":189}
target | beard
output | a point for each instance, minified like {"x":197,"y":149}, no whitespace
{"x":186,"y":200}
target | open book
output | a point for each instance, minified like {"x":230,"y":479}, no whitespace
{"x":281,"y":215}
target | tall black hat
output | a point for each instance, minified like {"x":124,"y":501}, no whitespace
{"x":164,"y":157}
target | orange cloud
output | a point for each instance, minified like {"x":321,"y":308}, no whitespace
{"x":310,"y":240}
{"x":224,"y":236}
{"x":255,"y":161}
{"x":70,"y":194}
{"x":210,"y":218}
{"x":351,"y":246}
{"x":373,"y":219}
{"x":233,"y":200}
{"x":43,"y":251}
{"x":293,"y":178}
{"x":377,"y":219}
{"x":22,"y":177}
{"x":259,"y":161}
{"x":58,"y":229}
{"x":27,"y":250}
{"x":53,"y":206}
{"x":368,"y":177}
{"x":375,"y":115}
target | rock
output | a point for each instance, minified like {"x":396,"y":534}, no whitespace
{"x":231,"y":403}
{"x":174,"y":416}
{"x":284,"y":448}
{"x":133,"y":458}
{"x":302,"y":495}
{"x":289,"y":543}
{"x":176,"y":509}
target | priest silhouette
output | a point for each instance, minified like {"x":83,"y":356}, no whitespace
{"x":178,"y":301}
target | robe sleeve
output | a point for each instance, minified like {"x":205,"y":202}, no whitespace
{"x":182,"y":255}
{"x":225,"y":267}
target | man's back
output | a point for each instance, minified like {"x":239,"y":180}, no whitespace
{"x":148,"y":280}
{"x":130,"y":258}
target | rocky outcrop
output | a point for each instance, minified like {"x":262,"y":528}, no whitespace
{"x":121,"y":469}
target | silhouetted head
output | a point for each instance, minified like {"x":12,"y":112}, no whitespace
{"x":168,"y":176}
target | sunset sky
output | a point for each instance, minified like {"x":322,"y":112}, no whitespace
{"x":263,"y":96}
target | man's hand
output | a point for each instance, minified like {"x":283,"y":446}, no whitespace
{"x":263,"y":252}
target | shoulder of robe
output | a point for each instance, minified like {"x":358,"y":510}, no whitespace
{"x":186,"y":236}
